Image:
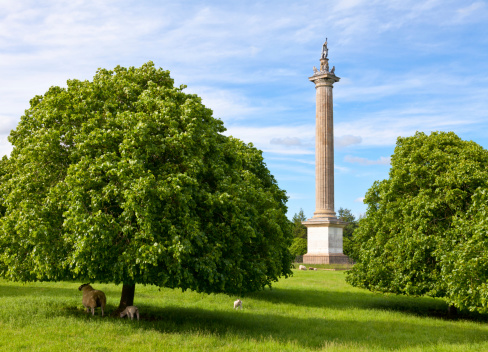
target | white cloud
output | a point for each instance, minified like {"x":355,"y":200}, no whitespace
{"x":293,"y":169}
{"x":364,"y":161}
{"x":262,"y":137}
{"x":291,"y":160}
{"x":473,"y":10}
{"x":299,"y":196}
{"x":347,"y":5}
{"x":359,"y":200}
{"x":347,"y":140}
{"x":383,"y":127}
{"x":7,"y":123}
{"x":287,"y":141}
{"x":226,"y":104}
{"x":341,"y":168}
{"x":5,"y":146}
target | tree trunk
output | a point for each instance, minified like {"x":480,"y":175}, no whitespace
{"x":126,"y":299}
{"x":452,"y":311}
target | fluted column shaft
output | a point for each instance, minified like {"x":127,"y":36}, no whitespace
{"x":324,"y":145}
{"x":324,"y":150}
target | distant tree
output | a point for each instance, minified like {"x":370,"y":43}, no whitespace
{"x":298,"y":247}
{"x":299,"y":244}
{"x":127,"y":179}
{"x":426,"y":227}
{"x":347,"y":216}
{"x":299,"y":230}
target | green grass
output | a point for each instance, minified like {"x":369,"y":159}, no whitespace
{"x":313,"y":310}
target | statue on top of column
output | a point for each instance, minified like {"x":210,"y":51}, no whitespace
{"x":325,"y":51}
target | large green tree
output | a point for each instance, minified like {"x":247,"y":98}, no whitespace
{"x":127,"y":179}
{"x":426,"y":229}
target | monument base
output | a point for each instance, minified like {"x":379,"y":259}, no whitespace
{"x":325,"y":259}
{"x":324,"y":241}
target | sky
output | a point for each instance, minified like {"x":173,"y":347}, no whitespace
{"x":405,"y":66}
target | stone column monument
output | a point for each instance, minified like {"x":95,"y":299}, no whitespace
{"x":324,"y":230}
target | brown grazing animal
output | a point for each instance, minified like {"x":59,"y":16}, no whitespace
{"x":92,"y":298}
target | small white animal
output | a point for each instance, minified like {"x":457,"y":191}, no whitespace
{"x":238,"y":304}
{"x":130,"y":311}
{"x":302,"y":267}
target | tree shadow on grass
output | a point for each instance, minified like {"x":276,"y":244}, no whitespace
{"x":418,"y":306}
{"x":20,"y":289}
{"x":306,"y":332}
{"x":25,"y":290}
{"x":310,"y":333}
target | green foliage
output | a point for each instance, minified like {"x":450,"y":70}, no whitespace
{"x":425,"y":230}
{"x":127,"y":179}
{"x":298,"y":247}
{"x":299,"y":230}
{"x":299,"y":243}
{"x":352,"y":224}
{"x":464,"y":264}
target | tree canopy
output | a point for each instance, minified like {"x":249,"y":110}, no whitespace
{"x":127,"y":179}
{"x":426,"y":230}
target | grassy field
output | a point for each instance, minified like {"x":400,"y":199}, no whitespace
{"x":313,"y":310}
{"x":326,"y":266}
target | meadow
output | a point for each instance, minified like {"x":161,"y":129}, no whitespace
{"x":311,"y":311}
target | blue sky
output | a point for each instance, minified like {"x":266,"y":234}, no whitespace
{"x":405,"y":66}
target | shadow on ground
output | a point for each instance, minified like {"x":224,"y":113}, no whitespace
{"x":308,"y":332}
{"x":418,"y":306}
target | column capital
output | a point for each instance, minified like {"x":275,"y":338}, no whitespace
{"x":324,"y":79}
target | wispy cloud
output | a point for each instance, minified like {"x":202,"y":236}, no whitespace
{"x":347,"y":140}
{"x":404,"y":66}
{"x":472,"y":10}
{"x":341,"y":169}
{"x":226,"y":104}
{"x":276,"y":139}
{"x":364,"y":161}
{"x":287,"y":141}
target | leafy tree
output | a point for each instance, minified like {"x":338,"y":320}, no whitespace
{"x":347,"y":216}
{"x":425,"y":230}
{"x":299,"y":245}
{"x":127,"y":179}
{"x":299,"y":230}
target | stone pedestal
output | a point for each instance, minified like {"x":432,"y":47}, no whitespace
{"x":324,"y":242}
